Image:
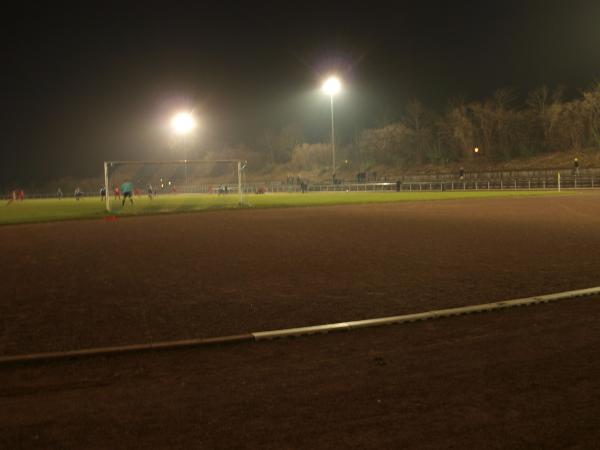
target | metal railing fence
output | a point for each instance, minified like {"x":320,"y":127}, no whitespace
{"x":569,"y":182}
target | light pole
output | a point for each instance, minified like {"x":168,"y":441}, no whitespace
{"x":332,"y":86}
{"x":183,"y":123}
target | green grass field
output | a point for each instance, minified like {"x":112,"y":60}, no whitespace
{"x":92,"y":208}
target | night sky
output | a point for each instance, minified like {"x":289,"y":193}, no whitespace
{"x":95,"y":83}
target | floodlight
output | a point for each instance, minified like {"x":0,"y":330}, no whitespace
{"x":332,"y":86}
{"x":183,"y":123}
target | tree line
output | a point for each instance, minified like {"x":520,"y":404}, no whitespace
{"x":501,"y":126}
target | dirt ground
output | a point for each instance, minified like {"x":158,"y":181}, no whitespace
{"x":522,"y":378}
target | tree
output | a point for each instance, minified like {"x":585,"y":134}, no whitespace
{"x":544,"y":108}
{"x":456,"y":130}
{"x":384,"y":145}
{"x":418,"y":125}
{"x":499,"y":127}
{"x":590,"y":110}
{"x":280,"y":144}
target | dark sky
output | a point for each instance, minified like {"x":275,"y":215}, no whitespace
{"x":95,"y":83}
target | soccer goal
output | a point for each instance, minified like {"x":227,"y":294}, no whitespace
{"x":177,"y":185}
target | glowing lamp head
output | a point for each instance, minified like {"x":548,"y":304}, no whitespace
{"x":332,"y":86}
{"x":183,"y":123}
{"x":476,"y":150}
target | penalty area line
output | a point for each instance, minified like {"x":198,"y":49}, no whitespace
{"x":297,"y":332}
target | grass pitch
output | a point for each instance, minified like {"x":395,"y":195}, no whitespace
{"x":49,"y":210}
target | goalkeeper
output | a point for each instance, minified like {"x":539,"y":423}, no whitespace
{"x":127,"y":191}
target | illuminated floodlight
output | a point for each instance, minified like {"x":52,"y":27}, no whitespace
{"x":476,"y":150}
{"x":332,"y":86}
{"x":183,"y":123}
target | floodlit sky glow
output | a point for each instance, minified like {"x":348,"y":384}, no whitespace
{"x":90,"y":83}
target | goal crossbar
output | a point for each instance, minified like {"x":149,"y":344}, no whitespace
{"x":175,"y":161}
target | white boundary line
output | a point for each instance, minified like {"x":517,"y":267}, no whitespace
{"x":302,"y":331}
{"x":426,"y":315}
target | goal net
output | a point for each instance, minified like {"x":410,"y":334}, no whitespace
{"x":182,"y":185}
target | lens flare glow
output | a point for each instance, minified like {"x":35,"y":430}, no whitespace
{"x":183,"y":123}
{"x":332,"y":86}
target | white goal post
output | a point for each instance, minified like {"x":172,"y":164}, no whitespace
{"x":239,"y":166}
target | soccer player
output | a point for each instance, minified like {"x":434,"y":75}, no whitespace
{"x":103,"y":193}
{"x":127,"y":190}
{"x":77,"y":193}
{"x":117,"y":193}
{"x":21,"y":195}
{"x":12,"y":198}
{"x":150,"y":190}
{"x":59,"y":193}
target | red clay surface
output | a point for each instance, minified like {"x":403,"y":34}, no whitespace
{"x":522,"y":378}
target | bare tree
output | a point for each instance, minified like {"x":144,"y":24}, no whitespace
{"x":384,"y":145}
{"x":590,"y":109}
{"x":419,"y":127}
{"x":280,"y":145}
{"x":544,"y":108}
{"x":456,"y":130}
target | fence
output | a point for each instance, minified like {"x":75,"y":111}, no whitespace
{"x":566,"y":182}
{"x":536,"y":183}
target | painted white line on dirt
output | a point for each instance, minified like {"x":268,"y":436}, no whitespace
{"x":301,"y":331}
